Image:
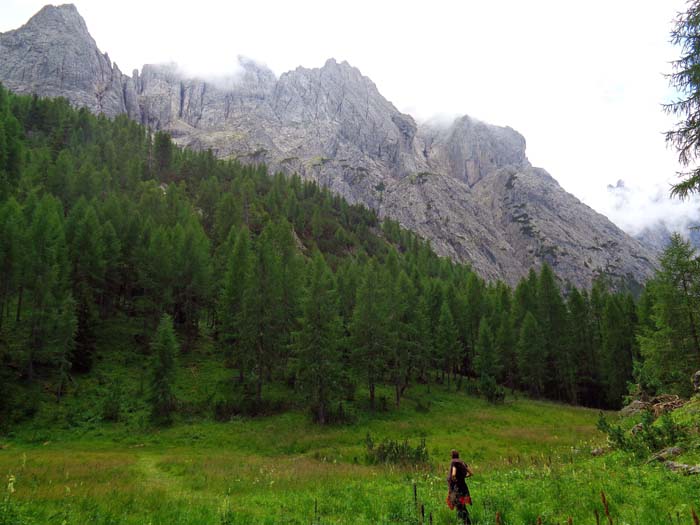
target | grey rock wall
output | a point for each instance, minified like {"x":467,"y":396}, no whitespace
{"x":467,"y":187}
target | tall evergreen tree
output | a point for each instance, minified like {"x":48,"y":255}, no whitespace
{"x":671,"y":327}
{"x":617,"y":351}
{"x":86,"y":248}
{"x":238,"y":265}
{"x":582,"y":349}
{"x":368,"y":330}
{"x":317,"y":342}
{"x":560,"y":379}
{"x":404,"y":347}
{"x":485,"y":363}
{"x":531,"y":358}
{"x":47,"y":280}
{"x":447,"y":341}
{"x":192,"y":276}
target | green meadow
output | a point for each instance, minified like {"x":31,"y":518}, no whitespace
{"x":531,"y":459}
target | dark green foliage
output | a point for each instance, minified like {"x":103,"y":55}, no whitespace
{"x":446,"y":341}
{"x":369,"y":331}
{"x":112,"y":405}
{"x":669,"y":334}
{"x":531,"y":357}
{"x":317,"y":343}
{"x":164,"y":348}
{"x":616,"y":350}
{"x":686,"y":35}
{"x":551,"y":315}
{"x":486,"y":365}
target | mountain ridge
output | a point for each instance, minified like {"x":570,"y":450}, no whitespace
{"x":467,"y":186}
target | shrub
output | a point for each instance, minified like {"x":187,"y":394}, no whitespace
{"x":647,"y":438}
{"x":396,"y":452}
{"x":339,"y":415}
{"x":491,"y":390}
{"x":112,"y":405}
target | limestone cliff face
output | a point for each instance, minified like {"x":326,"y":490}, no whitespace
{"x":54,"y":55}
{"x":468,"y":186}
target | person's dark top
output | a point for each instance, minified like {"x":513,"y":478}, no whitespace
{"x":459,"y":482}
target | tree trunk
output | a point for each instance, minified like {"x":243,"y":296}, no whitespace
{"x":371,"y":395}
{"x":19,"y":303}
{"x":321,"y":411}
{"x":398,"y":394}
{"x":259,"y":375}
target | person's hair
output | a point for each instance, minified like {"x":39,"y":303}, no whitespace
{"x":455,"y":454}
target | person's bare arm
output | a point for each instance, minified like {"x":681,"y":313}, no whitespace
{"x":453,"y":473}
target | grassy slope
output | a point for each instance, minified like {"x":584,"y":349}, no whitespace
{"x":530,"y":458}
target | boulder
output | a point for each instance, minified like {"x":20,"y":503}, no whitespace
{"x":666,"y":403}
{"x":635,"y":407}
{"x":682,"y":467}
{"x":667,"y":453}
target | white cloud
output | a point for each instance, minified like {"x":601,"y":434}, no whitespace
{"x":635,"y":208}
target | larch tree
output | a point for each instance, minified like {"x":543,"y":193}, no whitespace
{"x":531,"y":357}
{"x":369,"y":331}
{"x":447,"y":341}
{"x":318,"y":341}
{"x":685,"y":136}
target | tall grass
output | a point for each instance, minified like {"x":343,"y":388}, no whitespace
{"x":531,"y":460}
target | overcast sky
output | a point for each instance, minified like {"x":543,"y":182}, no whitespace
{"x":582,"y":81}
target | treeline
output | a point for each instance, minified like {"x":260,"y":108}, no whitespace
{"x":100,"y":220}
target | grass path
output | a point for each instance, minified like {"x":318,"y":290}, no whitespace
{"x":155,"y":478}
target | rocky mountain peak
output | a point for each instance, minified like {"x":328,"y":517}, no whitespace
{"x":54,"y":55}
{"x":65,"y":18}
{"x":467,"y":186}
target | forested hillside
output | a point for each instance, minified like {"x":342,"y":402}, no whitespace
{"x":103,"y":224}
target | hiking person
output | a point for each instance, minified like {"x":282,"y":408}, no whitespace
{"x":458,"y":495}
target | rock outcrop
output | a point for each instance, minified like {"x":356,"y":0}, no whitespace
{"x":467,"y":187}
